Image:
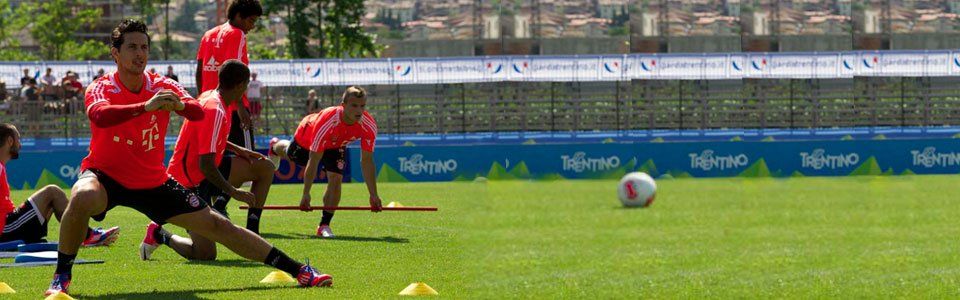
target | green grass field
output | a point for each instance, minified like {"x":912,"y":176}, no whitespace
{"x":853,"y":237}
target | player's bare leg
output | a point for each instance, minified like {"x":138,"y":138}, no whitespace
{"x":88,"y":199}
{"x":52,"y":201}
{"x":245,"y":243}
{"x":260,"y":172}
{"x":331,"y":197}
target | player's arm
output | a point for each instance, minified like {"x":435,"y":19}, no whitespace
{"x":208,"y":167}
{"x":369,"y":169}
{"x":244,"y":115}
{"x":103,"y":114}
{"x":185,"y":106}
{"x":190,"y":109}
{"x":199,"y":76}
{"x":308,"y":175}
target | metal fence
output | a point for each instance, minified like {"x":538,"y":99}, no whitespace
{"x":587,"y":106}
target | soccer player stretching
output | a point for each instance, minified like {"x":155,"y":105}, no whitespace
{"x":129,"y":111}
{"x":198,"y":163}
{"x":323,"y":137}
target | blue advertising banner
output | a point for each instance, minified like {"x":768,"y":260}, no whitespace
{"x":590,"y":161}
{"x":696,"y":159}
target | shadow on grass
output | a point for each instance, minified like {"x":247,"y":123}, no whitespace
{"x":228,"y":263}
{"x":300,"y":236}
{"x":181,"y":295}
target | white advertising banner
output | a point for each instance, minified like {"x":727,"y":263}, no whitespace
{"x":316,"y":72}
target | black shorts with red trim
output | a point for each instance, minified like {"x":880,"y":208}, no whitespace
{"x":159,"y":204}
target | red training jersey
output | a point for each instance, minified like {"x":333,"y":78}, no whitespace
{"x":325,"y":130}
{"x":130,"y":152}
{"x":218,"y":45}
{"x":198,"y":138}
{"x":6,"y":205}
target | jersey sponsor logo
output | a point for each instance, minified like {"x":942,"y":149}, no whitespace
{"x":150,"y":135}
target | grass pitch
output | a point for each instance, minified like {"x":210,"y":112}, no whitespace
{"x":859,"y":237}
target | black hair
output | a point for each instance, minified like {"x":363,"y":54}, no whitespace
{"x":232,"y":73}
{"x":6,"y":130}
{"x":244,"y":8}
{"x":127,"y":26}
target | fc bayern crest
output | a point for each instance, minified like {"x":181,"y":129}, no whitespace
{"x":194,"y":200}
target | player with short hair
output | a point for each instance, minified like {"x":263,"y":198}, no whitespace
{"x":219,"y":44}
{"x":28,"y":222}
{"x":129,"y":111}
{"x":198,"y":164}
{"x":323,"y":137}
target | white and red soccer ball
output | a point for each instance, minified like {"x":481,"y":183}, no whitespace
{"x":637,"y":189}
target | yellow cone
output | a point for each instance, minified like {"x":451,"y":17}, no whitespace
{"x":394,"y":204}
{"x":58,"y":296}
{"x":6,"y":289}
{"x":418,"y":289}
{"x":277,"y":277}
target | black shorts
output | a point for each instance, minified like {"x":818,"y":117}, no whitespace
{"x":25,"y":223}
{"x":333,"y":160}
{"x":209,"y":192}
{"x":238,"y":136}
{"x":159,"y":204}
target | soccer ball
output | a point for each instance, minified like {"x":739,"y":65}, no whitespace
{"x":637,"y":189}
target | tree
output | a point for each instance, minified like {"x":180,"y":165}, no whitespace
{"x":148,"y":8}
{"x":344,"y":32}
{"x":54,"y":24}
{"x":259,"y":43}
{"x":12,"y":22}
{"x":334,"y":24}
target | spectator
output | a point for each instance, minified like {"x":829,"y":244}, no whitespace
{"x":25,"y":80}
{"x":3,"y":95}
{"x":71,"y":86}
{"x":32,"y":104}
{"x":30,"y":92}
{"x":171,"y":75}
{"x":313,"y":102}
{"x":254,"y":89}
{"x":99,"y":74}
{"x":48,"y":86}
{"x":153,"y":71}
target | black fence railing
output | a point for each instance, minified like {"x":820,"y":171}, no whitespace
{"x":586,"y":106}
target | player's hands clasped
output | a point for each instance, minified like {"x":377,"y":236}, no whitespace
{"x":165,"y":100}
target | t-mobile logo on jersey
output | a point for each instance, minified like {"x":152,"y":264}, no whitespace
{"x":148,"y":136}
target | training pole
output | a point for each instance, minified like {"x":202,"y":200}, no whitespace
{"x":295,"y":207}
